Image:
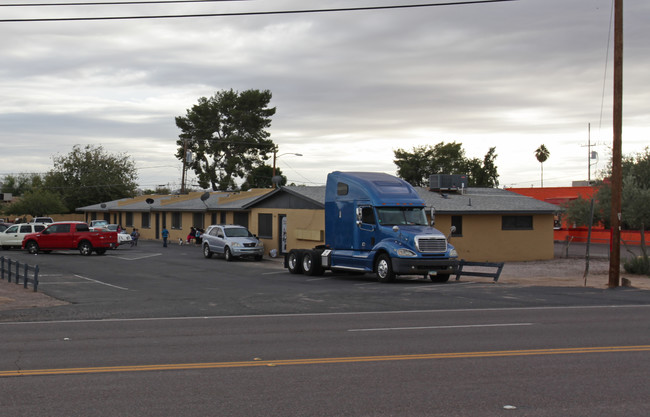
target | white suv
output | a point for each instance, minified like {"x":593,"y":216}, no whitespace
{"x":232,"y":242}
{"x":13,"y":236}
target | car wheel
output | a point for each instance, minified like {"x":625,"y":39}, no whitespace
{"x":32,"y":247}
{"x":206,"y":251}
{"x":85,"y":248}
{"x":227,"y":254}
{"x":384,"y":269}
{"x":294,"y":261}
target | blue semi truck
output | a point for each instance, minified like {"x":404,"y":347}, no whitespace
{"x":376,"y":223}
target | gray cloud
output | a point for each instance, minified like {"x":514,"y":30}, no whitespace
{"x":349,"y":87}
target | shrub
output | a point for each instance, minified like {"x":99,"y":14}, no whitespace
{"x":638,"y":265}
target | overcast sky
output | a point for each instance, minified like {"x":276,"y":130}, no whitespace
{"x":349,"y":87}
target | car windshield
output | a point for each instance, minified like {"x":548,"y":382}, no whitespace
{"x":237,"y":232}
{"x":391,"y":216}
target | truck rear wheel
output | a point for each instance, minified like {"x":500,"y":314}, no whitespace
{"x":294,"y":261}
{"x":384,"y":269}
{"x":311,"y":263}
{"x":85,"y":248}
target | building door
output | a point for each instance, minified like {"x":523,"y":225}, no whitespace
{"x":282,"y":235}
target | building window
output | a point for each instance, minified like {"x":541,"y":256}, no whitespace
{"x":223,"y":217}
{"x":265,"y":225}
{"x":197,"y":220}
{"x":517,"y":223}
{"x":457,"y":222}
{"x":146,"y":221}
{"x":129,"y":219}
{"x":241,"y":218}
{"x":177,"y":220}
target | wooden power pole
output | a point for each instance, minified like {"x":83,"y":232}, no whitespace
{"x":617,"y":176}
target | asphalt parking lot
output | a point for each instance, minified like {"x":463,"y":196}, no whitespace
{"x":177,"y":281}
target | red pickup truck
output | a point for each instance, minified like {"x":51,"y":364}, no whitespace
{"x":70,"y":235}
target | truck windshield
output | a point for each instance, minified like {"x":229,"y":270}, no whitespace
{"x":391,"y":216}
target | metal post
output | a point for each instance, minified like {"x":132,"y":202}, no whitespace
{"x":25,"y":276}
{"x":35,"y":278}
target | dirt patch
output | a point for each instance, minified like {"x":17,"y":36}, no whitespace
{"x":566,"y":273}
{"x":15,"y":297}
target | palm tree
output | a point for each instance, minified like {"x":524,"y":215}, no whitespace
{"x":542,"y":155}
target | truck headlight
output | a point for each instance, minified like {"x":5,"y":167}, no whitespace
{"x":236,"y":244}
{"x":260,"y":244}
{"x":406,"y":253}
{"x":453,"y":253}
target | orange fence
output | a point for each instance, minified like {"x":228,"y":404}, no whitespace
{"x":629,"y":237}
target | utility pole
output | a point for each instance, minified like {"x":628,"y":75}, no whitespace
{"x":617,"y":176}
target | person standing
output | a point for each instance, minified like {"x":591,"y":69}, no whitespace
{"x":135,"y":235}
{"x":165,"y":235}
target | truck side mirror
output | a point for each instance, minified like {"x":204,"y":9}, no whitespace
{"x":452,"y":229}
{"x":433,"y":216}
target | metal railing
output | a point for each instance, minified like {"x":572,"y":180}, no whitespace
{"x":12,"y":271}
{"x":493,"y":274}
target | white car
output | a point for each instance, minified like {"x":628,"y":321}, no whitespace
{"x":13,"y":235}
{"x":123,"y":236}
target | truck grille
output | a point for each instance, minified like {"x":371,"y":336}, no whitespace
{"x":431,"y":244}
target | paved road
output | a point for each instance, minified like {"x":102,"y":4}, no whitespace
{"x":153,"y":331}
{"x":541,"y":361}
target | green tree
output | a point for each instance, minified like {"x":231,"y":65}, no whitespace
{"x":445,"y":158}
{"x":89,"y":175}
{"x":262,"y":177}
{"x":225,"y":134}
{"x":635,"y":194}
{"x":484,"y":173}
{"x":37,"y":203}
{"x":20,"y":184}
{"x":542,"y":155}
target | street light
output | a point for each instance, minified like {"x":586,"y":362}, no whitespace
{"x":275,"y":156}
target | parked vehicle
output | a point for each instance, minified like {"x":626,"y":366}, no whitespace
{"x":98,"y":224}
{"x":70,"y":235}
{"x":232,"y":242}
{"x":122,"y":236}
{"x":376,"y":223}
{"x":42,"y":220}
{"x":13,"y":236}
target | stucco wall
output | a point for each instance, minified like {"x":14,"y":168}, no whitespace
{"x":483,"y":239}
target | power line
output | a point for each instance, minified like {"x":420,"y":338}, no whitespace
{"x":112,"y":3}
{"x":264,"y":13}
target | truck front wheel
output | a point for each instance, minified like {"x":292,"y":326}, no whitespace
{"x":85,"y":248}
{"x":384,"y":269}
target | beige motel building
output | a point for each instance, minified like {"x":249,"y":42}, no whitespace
{"x":492,"y":225}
